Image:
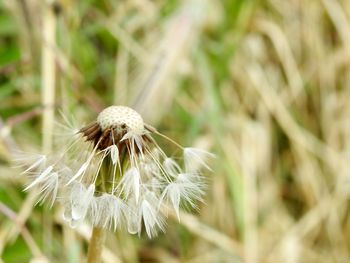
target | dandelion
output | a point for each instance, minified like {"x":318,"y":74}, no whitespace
{"x":113,"y":173}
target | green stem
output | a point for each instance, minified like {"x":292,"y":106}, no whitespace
{"x":96,"y":245}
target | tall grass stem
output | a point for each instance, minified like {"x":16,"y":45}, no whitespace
{"x":48,"y":78}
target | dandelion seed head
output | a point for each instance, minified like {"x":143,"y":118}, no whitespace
{"x":114,"y":116}
{"x":114,"y":174}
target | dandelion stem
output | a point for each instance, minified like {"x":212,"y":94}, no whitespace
{"x":96,"y":245}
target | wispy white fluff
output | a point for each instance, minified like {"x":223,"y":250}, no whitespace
{"x":81,"y":170}
{"x":67,"y":215}
{"x":193,"y":185}
{"x":80,"y":199}
{"x":40,"y":161}
{"x":131,"y":183}
{"x":134,"y":138}
{"x":48,"y":189}
{"x":173,"y":192}
{"x":118,"y":212}
{"x":40,"y":177}
{"x":155,"y":185}
{"x":171,"y":167}
{"x":152,"y":219}
{"x":65,"y":174}
{"x":151,"y":170}
{"x":195,"y":158}
{"x":149,"y":218}
{"x":67,"y":210}
{"x":186,"y":187}
{"x":133,"y":217}
{"x":69,"y":128}
{"x":22,"y":159}
{"x":108,"y":211}
{"x":130,"y":135}
{"x":114,"y":154}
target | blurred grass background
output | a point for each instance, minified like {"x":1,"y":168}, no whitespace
{"x":264,"y":84}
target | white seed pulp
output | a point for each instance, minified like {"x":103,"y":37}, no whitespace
{"x":114,"y":116}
